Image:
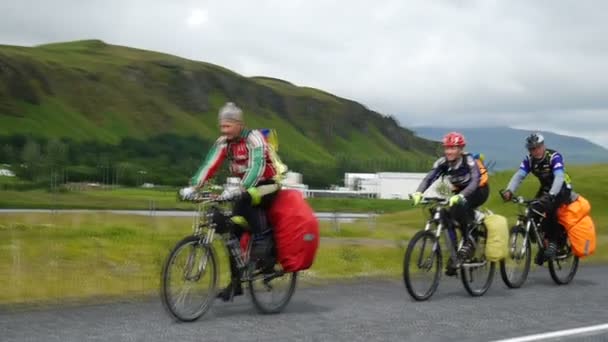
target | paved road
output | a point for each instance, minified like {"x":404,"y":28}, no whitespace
{"x":363,"y":311}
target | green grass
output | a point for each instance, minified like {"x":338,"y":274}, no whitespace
{"x":60,"y":257}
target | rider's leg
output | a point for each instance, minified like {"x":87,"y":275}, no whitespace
{"x":465,"y":214}
{"x":225,"y":294}
{"x":251,"y":209}
{"x":550,"y":225}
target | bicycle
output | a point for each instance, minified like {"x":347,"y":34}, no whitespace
{"x":476,"y":268}
{"x":194,"y":258}
{"x":526,"y":231}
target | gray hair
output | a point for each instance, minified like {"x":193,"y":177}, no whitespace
{"x":230,"y":112}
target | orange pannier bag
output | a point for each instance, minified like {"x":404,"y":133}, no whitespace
{"x":574,"y":217}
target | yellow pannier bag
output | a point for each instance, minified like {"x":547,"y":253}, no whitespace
{"x":497,"y":243}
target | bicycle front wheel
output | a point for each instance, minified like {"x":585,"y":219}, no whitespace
{"x":515,"y":267}
{"x":477,"y":275}
{"x":422,"y":265}
{"x":189,"y":279}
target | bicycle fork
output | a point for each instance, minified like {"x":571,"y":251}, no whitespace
{"x":202,"y":266}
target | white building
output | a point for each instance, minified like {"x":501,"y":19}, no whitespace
{"x":7,"y":173}
{"x":353,"y":180}
{"x":387,"y":185}
{"x":399,"y":185}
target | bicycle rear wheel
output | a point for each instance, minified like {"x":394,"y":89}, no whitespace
{"x":564,"y":266}
{"x":422,"y":265}
{"x":189,"y":279}
{"x":477,"y":275}
{"x":271,"y":292}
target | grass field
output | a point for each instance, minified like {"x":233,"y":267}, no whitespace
{"x":62,"y":257}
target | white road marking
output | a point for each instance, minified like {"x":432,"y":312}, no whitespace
{"x":556,"y":334}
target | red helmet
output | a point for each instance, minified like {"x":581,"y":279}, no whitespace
{"x":454,"y":139}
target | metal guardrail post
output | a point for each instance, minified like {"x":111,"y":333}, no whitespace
{"x":371,"y":220}
{"x":152,"y":207}
{"x":336,"y":222}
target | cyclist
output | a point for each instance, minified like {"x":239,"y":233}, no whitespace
{"x":470,"y":187}
{"x":555,"y":188}
{"x":248,"y":154}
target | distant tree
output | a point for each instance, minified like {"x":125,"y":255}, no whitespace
{"x":7,"y":154}
{"x":32,"y":159}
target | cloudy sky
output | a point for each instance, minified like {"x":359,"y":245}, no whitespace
{"x":527,"y":64}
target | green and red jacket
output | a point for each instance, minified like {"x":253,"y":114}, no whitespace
{"x":248,"y":156}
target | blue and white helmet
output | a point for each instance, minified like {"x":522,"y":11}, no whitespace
{"x":534,"y":140}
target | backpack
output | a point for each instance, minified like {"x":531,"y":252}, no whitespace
{"x":272,"y":139}
{"x":483,"y":170}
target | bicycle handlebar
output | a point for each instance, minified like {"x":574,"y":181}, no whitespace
{"x":199,"y":197}
{"x":522,"y":200}
{"x":431,"y":199}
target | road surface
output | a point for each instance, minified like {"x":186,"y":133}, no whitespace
{"x":371,"y":310}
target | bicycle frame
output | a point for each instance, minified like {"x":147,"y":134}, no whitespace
{"x":203,"y":219}
{"x":529,"y":223}
{"x":439,"y":220}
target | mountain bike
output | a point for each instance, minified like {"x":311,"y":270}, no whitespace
{"x":515,"y":268}
{"x":190,"y":276}
{"x":423,"y":257}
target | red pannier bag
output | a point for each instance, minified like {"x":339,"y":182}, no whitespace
{"x":295,"y":229}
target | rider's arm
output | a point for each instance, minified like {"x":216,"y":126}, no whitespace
{"x":557,"y":165}
{"x":475,"y":175}
{"x":257,"y":163}
{"x":432,"y":175}
{"x":212,"y":163}
{"x":519,"y":176}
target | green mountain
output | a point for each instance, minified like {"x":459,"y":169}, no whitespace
{"x":116,"y":104}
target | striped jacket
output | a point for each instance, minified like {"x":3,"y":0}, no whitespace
{"x":248,"y":156}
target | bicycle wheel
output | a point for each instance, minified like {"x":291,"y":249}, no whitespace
{"x":189,"y":279}
{"x":422,"y":265}
{"x":477,"y":275}
{"x":514,"y":268}
{"x":272,"y":292}
{"x":564,"y":266}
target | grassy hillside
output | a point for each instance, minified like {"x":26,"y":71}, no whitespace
{"x":91,"y":91}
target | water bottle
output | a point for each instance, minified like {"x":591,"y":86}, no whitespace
{"x":235,"y":249}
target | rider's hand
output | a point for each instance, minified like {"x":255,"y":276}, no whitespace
{"x":187,"y":193}
{"x":229,"y":194}
{"x":417,"y":197}
{"x":506,"y":195}
{"x":547,"y":200}
{"x":456,"y":199}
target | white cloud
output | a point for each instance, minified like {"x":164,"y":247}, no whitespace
{"x":197,"y":18}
